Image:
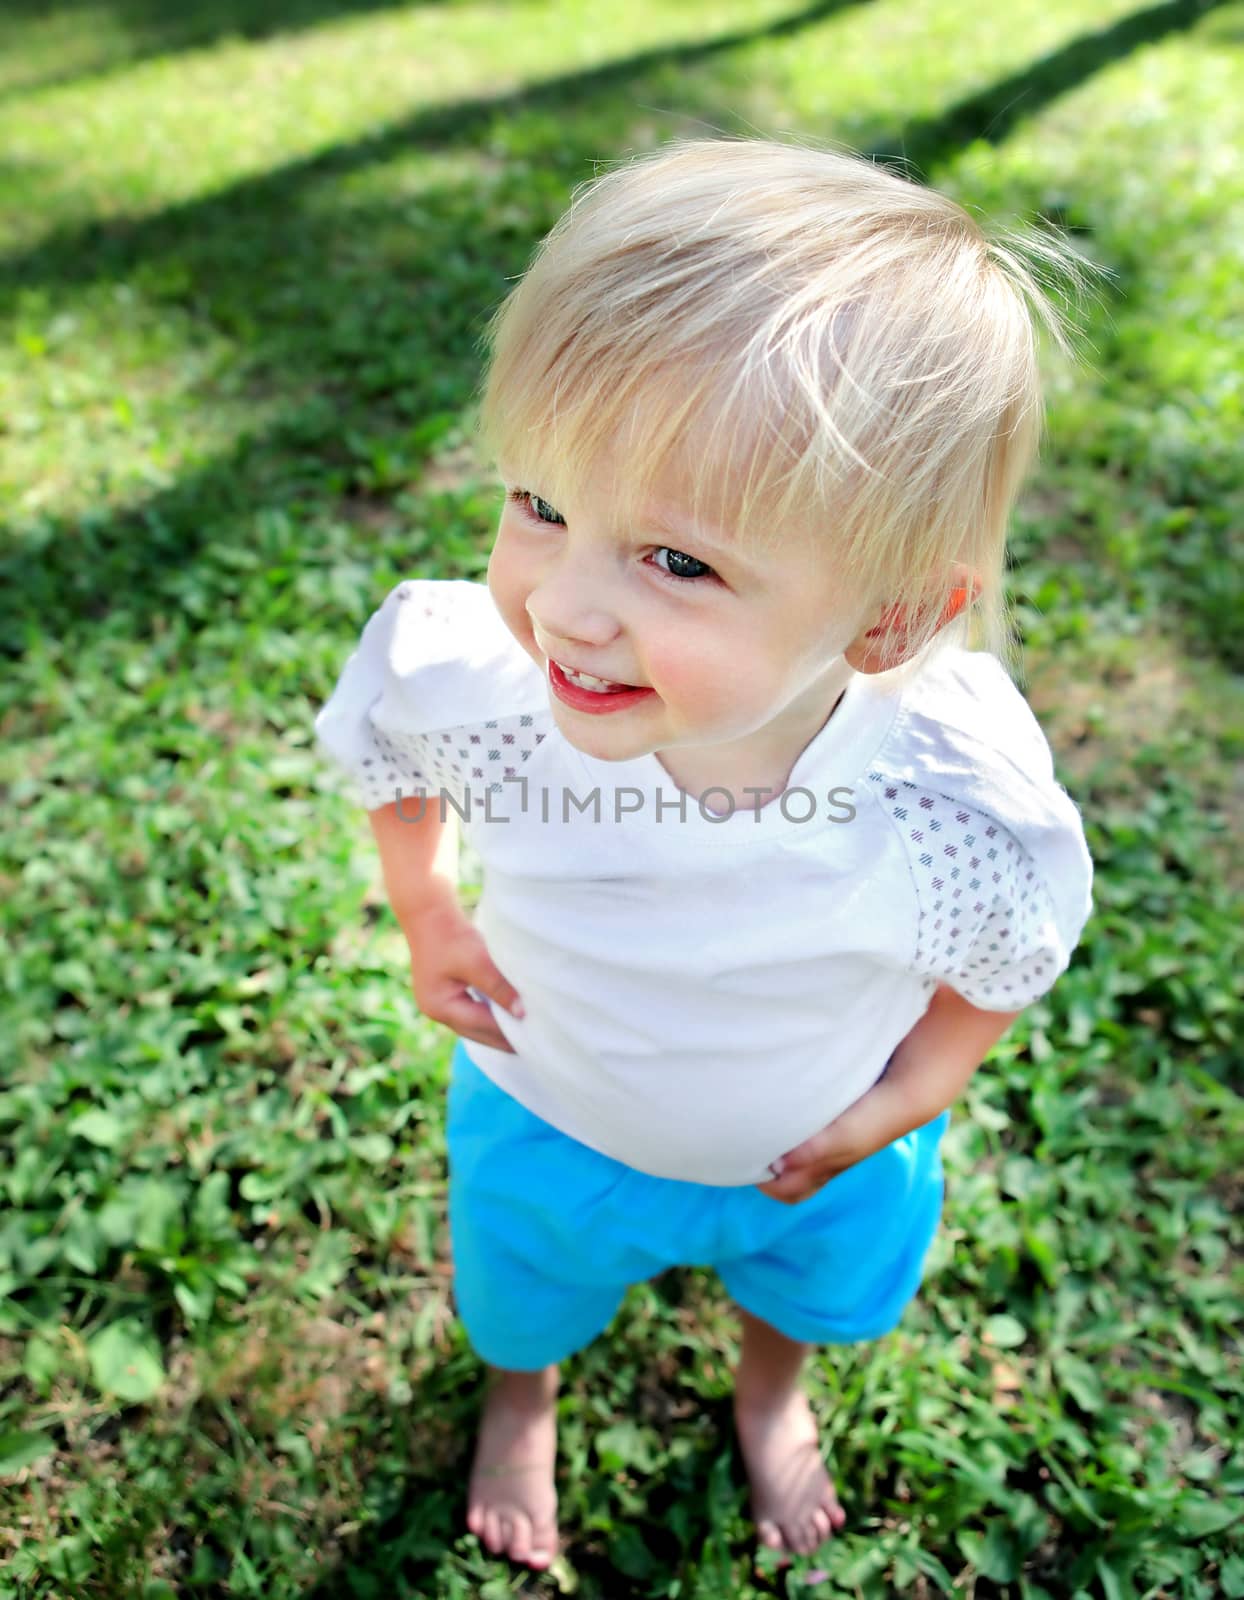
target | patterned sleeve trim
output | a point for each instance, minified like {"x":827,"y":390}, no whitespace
{"x":453,"y":761}
{"x":986,"y":920}
{"x":431,"y":644}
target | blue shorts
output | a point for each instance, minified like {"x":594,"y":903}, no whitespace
{"x":548,"y":1234}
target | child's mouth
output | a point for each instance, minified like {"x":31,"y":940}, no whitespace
{"x":583,"y":692}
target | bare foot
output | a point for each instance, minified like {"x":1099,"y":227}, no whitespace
{"x":511,"y":1500}
{"x":793,"y":1500}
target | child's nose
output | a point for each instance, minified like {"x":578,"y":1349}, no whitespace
{"x":565,"y":612}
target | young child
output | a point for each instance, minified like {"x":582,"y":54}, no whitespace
{"x":771,"y":858}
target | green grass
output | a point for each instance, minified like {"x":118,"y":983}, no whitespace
{"x":245,"y":265}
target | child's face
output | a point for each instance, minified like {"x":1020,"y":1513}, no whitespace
{"x":738,"y":652}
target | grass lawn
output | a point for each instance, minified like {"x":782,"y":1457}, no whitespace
{"x":243,"y":268}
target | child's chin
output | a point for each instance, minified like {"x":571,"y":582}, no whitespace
{"x":606,"y":745}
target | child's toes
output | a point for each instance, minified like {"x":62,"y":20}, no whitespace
{"x":475,"y":1520}
{"x":492,"y":1530}
{"x":809,"y":1535}
{"x":543,"y":1543}
{"x":519,"y":1544}
{"x":767,"y":1533}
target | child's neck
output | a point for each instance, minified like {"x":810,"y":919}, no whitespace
{"x":764,"y":760}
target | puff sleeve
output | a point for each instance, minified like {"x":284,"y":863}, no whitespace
{"x":435,"y":672}
{"x":989,"y":924}
{"x":344,"y":728}
{"x":995,"y":845}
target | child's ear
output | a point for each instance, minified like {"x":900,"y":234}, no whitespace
{"x":866,"y":652}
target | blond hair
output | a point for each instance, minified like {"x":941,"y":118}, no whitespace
{"x":826,"y":346}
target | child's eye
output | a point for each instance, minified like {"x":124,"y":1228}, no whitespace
{"x":536,"y":508}
{"x":545,"y":512}
{"x":679,"y":563}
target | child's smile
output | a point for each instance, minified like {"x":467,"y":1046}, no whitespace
{"x":593,"y":695}
{"x":723,"y":661}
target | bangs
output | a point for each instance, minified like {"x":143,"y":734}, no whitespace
{"x":640,"y":428}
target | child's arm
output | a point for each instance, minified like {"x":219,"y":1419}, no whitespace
{"x":931,"y":1067}
{"x":419,"y":858}
{"x":928,"y":1071}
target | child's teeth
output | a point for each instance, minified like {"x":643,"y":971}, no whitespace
{"x":585,"y":680}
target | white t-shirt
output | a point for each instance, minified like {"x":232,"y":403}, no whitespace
{"x":704,"y":991}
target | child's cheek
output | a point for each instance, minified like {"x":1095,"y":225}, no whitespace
{"x":508,"y":588}
{"x":708,"y":686}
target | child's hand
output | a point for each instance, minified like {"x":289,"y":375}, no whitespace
{"x":877,"y":1119}
{"x":448,"y":956}
{"x":927,"y":1072}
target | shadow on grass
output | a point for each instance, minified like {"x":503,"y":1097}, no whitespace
{"x":82,"y":254}
{"x":993,"y":113}
{"x":371,"y":324}
{"x":138,"y":30}
{"x":367,"y":315}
